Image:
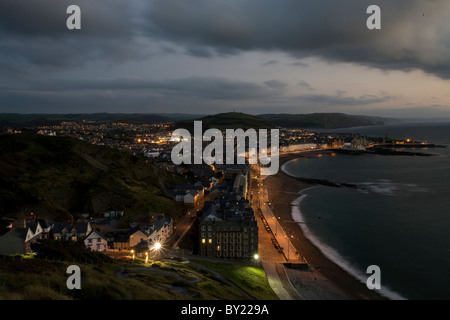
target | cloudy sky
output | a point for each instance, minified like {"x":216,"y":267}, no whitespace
{"x":210,"y":56}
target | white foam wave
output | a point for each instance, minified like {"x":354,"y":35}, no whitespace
{"x":389,"y":188}
{"x":283,"y":168}
{"x":332,"y":254}
{"x":380,"y":186}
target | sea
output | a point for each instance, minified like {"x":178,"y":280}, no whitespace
{"x":397,"y":219}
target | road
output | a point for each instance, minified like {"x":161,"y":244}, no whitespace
{"x":272,"y":258}
{"x":182,"y":228}
{"x":185,"y":223}
{"x":262,"y":203}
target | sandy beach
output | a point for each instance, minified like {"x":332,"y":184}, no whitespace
{"x":283,"y":190}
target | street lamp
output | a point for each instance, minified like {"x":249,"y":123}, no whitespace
{"x":256,"y":257}
{"x":288,"y":245}
{"x":276,"y":226}
{"x":156,"y":247}
{"x":132,"y":252}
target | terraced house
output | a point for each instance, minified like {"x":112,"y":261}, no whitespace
{"x":17,"y":235}
{"x":76,"y":231}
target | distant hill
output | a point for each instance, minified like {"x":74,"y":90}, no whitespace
{"x":58,"y":176}
{"x":221,"y":121}
{"x":181,"y":116}
{"x":19,"y":121}
{"x":230,"y":120}
{"x":235,"y":120}
{"x":321,"y":120}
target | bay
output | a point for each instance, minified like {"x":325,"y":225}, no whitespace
{"x":398,"y":218}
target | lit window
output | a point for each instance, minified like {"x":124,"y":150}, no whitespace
{"x":203,"y":240}
{"x":209,"y":240}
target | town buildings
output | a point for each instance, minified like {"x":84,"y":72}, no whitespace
{"x":17,"y":235}
{"x":145,"y":236}
{"x":228,"y":227}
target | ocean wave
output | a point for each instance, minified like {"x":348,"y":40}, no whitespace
{"x":381,"y":186}
{"x":389,"y":188}
{"x":283,"y":168}
{"x":332,"y":254}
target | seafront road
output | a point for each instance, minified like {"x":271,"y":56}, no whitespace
{"x":289,"y":274}
{"x":270,"y":253}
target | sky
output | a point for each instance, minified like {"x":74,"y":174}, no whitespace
{"x":213,"y":56}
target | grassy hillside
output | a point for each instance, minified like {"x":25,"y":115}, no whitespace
{"x":122,"y":280}
{"x":320,"y":120}
{"x":235,"y":120}
{"x":58,"y":176}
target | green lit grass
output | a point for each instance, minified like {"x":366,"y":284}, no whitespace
{"x":25,"y":256}
{"x":251,"y":279}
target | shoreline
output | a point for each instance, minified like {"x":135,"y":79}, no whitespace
{"x":284,"y":190}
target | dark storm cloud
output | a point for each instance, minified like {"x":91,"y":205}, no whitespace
{"x":47,"y":18}
{"x":135,"y":94}
{"x":276,"y":84}
{"x":35,"y":45}
{"x":306,"y":85}
{"x":198,"y":87}
{"x":34,"y":35}
{"x":200,"y":52}
{"x":300,"y":64}
{"x":270,"y":62}
{"x":414,"y":33}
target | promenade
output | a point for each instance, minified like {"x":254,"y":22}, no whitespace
{"x":309,"y":273}
{"x":287,"y":271}
{"x":272,"y":261}
{"x":271,"y":255}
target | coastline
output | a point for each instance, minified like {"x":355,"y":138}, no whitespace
{"x":284,"y":190}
